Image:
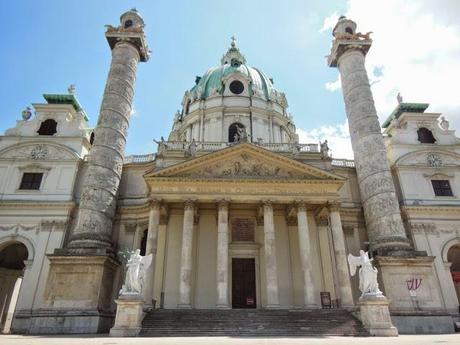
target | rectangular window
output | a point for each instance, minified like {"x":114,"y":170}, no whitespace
{"x":31,"y":181}
{"x":441,"y":188}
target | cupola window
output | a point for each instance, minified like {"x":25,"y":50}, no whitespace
{"x":48,"y":127}
{"x":425,"y":136}
{"x":349,"y":30}
{"x":91,"y":138}
{"x":236,"y":87}
{"x":128,"y":23}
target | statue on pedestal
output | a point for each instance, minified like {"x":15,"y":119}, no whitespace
{"x":135,"y":271}
{"x":368,"y":284}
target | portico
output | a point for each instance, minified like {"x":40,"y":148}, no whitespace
{"x":243,"y":202}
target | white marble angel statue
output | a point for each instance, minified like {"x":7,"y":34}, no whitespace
{"x":136,"y":267}
{"x":368,"y":284}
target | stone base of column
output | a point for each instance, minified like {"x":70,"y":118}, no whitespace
{"x":128,"y":321}
{"x":400,"y":274}
{"x":184,"y":306}
{"x":78,"y":295}
{"x":272,"y":306}
{"x":375,"y":316}
{"x":223,"y":307}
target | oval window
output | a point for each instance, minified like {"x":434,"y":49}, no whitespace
{"x":236,"y":87}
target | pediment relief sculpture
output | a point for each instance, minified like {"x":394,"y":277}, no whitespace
{"x":429,"y":159}
{"x":37,"y":152}
{"x":244,"y":165}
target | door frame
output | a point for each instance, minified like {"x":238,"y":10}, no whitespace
{"x":245,"y":251}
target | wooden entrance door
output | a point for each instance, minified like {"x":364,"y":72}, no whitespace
{"x":243,"y":283}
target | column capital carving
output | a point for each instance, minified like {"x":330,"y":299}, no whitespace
{"x":333,"y":206}
{"x":155,"y":203}
{"x":223,"y":204}
{"x":301,"y":206}
{"x":190,"y":204}
{"x":267,"y":205}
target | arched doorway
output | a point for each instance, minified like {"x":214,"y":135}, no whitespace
{"x":12,"y":257}
{"x":453,"y":256}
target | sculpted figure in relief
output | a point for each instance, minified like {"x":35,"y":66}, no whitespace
{"x":368,"y":284}
{"x":136,"y":267}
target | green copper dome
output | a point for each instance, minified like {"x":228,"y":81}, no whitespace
{"x":212,"y":82}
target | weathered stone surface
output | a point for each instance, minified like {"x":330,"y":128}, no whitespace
{"x":128,"y":320}
{"x":374,"y":177}
{"x":222,"y":256}
{"x":271,"y":270}
{"x":99,"y":195}
{"x":185,"y":279}
{"x":375,"y":316}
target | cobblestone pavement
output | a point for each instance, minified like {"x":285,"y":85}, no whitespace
{"x":453,"y":339}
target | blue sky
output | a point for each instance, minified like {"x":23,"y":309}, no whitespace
{"x":51,"y":44}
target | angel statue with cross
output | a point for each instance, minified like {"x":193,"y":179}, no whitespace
{"x":135,"y":272}
{"x":368,"y":284}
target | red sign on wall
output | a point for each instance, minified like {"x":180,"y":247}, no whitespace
{"x":456,"y":276}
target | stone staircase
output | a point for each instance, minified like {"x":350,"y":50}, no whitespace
{"x":251,"y":322}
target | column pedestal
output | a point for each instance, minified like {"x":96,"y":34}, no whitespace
{"x":128,"y":321}
{"x":375,"y":316}
{"x":78,"y":296}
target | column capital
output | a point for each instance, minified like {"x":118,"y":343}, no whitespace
{"x":155,"y":203}
{"x":267,"y":205}
{"x":223,"y":204}
{"x":190,"y":204}
{"x":301,"y":206}
{"x":333,"y":206}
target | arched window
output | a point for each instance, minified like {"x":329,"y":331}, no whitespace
{"x":128,"y":23}
{"x":144,"y":242}
{"x":233,"y":135}
{"x":453,"y":256}
{"x":187,"y":106}
{"x":425,"y":136}
{"x":349,"y":30}
{"x":91,"y":138}
{"x":48,"y":127}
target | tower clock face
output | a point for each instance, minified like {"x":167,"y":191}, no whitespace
{"x":236,"y":87}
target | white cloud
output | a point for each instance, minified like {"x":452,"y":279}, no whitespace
{"x":333,"y":85}
{"x":415,"y":50}
{"x":330,"y":22}
{"x":337,"y":136}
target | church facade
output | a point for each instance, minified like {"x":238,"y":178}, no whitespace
{"x":234,"y":210}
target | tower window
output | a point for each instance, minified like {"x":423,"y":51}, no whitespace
{"x":144,"y":242}
{"x":235,"y":132}
{"x":236,"y":87}
{"x":31,"y":181}
{"x":349,"y":30}
{"x":425,"y":136}
{"x":91,"y":138}
{"x":442,"y":188}
{"x":128,"y":23}
{"x":187,"y":106}
{"x":48,"y":127}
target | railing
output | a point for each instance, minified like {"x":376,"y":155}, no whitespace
{"x":214,"y":146}
{"x":149,"y":157}
{"x":346,"y":163}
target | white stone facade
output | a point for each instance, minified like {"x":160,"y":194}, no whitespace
{"x":203,"y":201}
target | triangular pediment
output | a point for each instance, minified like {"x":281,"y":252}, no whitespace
{"x":244,"y":161}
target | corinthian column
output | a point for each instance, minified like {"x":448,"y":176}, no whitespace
{"x":309,"y":293}
{"x":105,"y":160}
{"x":151,"y":248}
{"x":381,"y":209}
{"x":271,"y":271}
{"x":346,"y":296}
{"x":222,"y":256}
{"x":185,"y":279}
